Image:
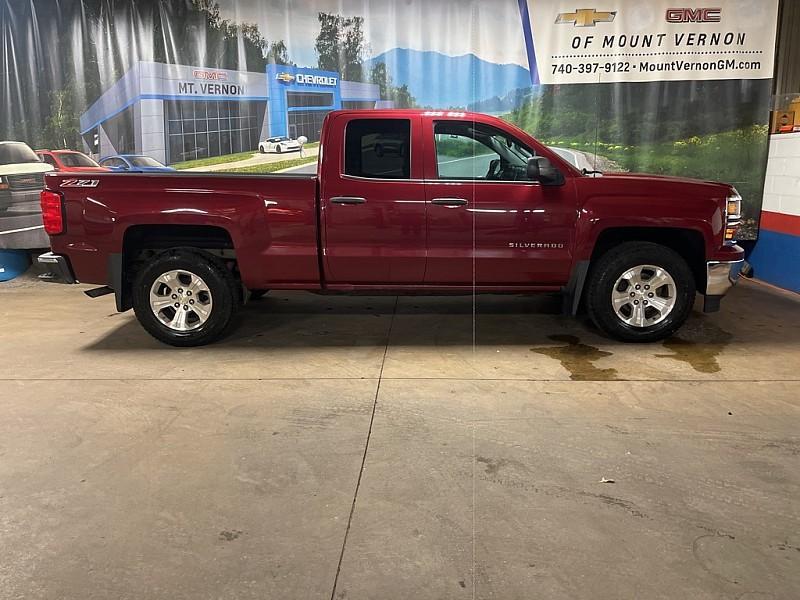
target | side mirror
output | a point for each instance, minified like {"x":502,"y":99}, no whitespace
{"x":542,"y":170}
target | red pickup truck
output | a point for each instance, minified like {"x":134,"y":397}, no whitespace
{"x":407,"y":202}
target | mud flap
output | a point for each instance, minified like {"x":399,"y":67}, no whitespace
{"x":573,"y":291}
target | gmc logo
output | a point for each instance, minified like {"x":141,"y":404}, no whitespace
{"x":210,"y":75}
{"x":694,"y":15}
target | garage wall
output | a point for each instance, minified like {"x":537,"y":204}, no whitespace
{"x":776,"y":256}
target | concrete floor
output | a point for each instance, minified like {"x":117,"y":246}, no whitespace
{"x":133,"y":470}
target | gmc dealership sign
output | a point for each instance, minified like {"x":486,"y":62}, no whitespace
{"x":656,"y":40}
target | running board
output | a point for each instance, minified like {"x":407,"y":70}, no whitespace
{"x":97,"y":292}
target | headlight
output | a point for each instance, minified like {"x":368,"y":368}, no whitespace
{"x":733,"y":217}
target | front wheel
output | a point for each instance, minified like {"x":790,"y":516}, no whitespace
{"x":186,"y":297}
{"x":278,"y":150}
{"x":640,"y":292}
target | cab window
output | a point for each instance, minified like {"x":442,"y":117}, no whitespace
{"x":478,"y":152}
{"x":378,"y":148}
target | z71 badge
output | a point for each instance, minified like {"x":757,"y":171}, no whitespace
{"x":80,"y":183}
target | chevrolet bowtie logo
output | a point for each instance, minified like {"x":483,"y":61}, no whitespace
{"x":285,"y":77}
{"x":586,"y":17}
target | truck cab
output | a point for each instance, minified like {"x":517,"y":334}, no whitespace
{"x":403,"y":201}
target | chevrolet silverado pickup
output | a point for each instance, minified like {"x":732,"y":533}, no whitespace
{"x":402,"y":202}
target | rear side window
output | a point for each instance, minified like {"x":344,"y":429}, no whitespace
{"x":378,"y":148}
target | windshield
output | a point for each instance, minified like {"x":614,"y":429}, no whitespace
{"x":144,"y":161}
{"x":76,"y":159}
{"x":17,"y":153}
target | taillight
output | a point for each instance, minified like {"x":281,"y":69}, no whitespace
{"x":52,"y":212}
{"x":733,"y":217}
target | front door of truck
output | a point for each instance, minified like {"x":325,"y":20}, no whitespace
{"x":373,"y":201}
{"x":488,"y":224}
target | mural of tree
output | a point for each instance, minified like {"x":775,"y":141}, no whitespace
{"x":340,"y":45}
{"x":278,"y":54}
{"x":401,"y":96}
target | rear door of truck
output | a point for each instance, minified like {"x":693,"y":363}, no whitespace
{"x":372,"y":197}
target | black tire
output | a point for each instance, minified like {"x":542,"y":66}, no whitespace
{"x":262,"y":150}
{"x":609,"y":269}
{"x":258,"y":294}
{"x":223,"y":287}
{"x":278,"y":150}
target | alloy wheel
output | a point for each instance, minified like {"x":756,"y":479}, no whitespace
{"x":181,"y":300}
{"x":644,"y":296}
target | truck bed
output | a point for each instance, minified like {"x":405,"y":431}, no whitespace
{"x":271,"y":220}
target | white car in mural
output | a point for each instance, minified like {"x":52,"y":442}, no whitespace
{"x":21,"y":175}
{"x":279,"y":145}
{"x":575,"y":158}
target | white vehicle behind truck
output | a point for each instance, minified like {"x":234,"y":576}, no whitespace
{"x":21,"y":175}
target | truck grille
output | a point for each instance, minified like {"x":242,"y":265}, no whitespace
{"x":31,"y":181}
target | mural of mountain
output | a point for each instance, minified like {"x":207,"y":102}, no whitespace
{"x":440,"y":81}
{"x":507,"y":103}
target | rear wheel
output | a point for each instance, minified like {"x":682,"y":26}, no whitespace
{"x":262,"y":149}
{"x":186,"y":297}
{"x":640,"y":292}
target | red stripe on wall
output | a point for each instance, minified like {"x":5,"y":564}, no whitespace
{"x":780,"y":223}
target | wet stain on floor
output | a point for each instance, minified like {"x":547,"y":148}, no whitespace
{"x":229,"y":536}
{"x":492,"y":465}
{"x":703,"y":350}
{"x":578,"y":358}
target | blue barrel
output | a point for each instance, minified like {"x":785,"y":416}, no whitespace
{"x":13,"y":263}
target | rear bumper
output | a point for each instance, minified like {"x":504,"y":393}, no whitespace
{"x":58,"y":266}
{"x":721,"y":276}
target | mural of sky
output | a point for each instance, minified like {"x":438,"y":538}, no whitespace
{"x":491,"y":30}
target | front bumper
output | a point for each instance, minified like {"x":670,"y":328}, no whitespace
{"x":57,"y":266}
{"x":721,"y":276}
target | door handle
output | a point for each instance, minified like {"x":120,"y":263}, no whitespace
{"x":348,"y":200}
{"x":449,"y":202}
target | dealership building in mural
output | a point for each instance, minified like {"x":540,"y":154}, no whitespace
{"x":175,"y":113}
